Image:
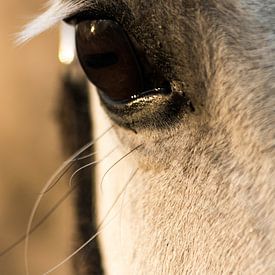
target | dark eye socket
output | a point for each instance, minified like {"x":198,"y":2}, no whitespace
{"x":111,"y":62}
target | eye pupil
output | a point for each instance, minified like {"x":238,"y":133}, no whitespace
{"x":101,"y":60}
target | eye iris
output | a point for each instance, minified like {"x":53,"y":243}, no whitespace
{"x":108,"y":59}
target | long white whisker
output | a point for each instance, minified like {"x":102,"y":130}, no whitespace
{"x":64,"y":170}
{"x":118,"y":197}
{"x":88,"y":165}
{"x":100,"y":229}
{"x":39,"y":223}
{"x":86,"y":157}
{"x":75,"y":157}
{"x":76,"y":252}
{"x":44,"y":190}
{"x":125,"y":156}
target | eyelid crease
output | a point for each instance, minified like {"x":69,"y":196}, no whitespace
{"x":56,"y":11}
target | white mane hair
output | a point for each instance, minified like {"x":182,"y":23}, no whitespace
{"x":56,"y":10}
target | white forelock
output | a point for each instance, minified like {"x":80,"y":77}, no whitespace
{"x":56,"y":10}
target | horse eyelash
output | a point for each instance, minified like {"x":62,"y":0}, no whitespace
{"x":56,"y":11}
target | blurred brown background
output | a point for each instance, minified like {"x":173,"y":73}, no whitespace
{"x":30,"y":148}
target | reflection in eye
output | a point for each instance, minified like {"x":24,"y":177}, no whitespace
{"x":108,"y":59}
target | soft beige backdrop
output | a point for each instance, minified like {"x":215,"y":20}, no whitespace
{"x":29,"y":142}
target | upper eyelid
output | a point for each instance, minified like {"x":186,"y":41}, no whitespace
{"x":54,"y":13}
{"x":120,"y":14}
{"x":82,"y":15}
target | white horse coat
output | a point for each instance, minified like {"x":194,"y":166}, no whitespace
{"x":195,"y":196}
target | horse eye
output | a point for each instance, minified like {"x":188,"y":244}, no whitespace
{"x":108,"y":59}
